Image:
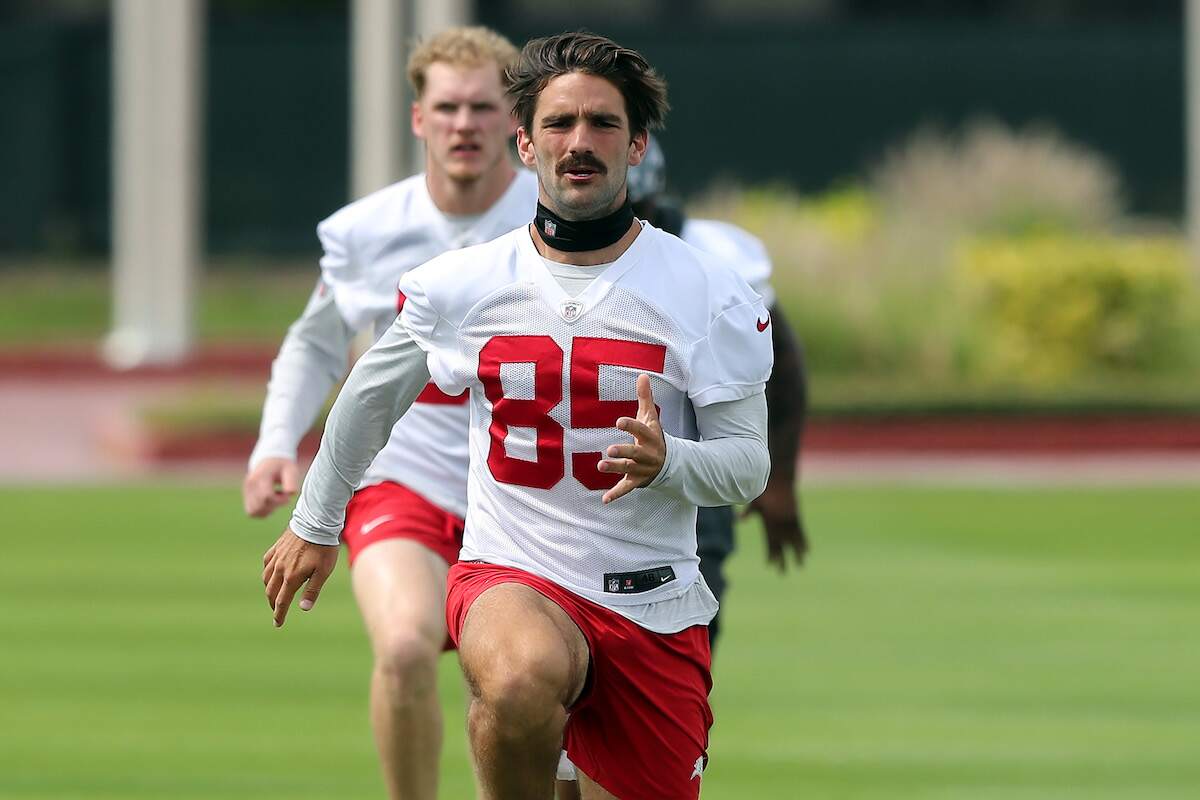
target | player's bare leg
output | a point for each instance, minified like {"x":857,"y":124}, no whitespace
{"x":525,"y":663}
{"x":401,"y":587}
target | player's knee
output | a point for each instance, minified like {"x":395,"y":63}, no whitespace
{"x":407,"y":659}
{"x":520,"y":701}
{"x":520,"y":679}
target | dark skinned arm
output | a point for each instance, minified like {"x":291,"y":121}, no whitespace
{"x":787,"y":403}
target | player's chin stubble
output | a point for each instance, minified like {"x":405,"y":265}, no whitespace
{"x":581,"y":202}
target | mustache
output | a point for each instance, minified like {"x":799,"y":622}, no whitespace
{"x":571,"y":163}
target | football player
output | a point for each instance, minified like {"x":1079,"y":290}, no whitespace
{"x":786,"y":398}
{"x":787,"y":393}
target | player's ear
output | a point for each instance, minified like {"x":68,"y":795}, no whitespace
{"x":418,"y":120}
{"x":525,"y":148}
{"x":637,"y":147}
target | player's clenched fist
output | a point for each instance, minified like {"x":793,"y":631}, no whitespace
{"x":290,"y":563}
{"x":271,"y":483}
{"x":640,"y":462}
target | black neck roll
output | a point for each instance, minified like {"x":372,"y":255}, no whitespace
{"x":577,"y":236}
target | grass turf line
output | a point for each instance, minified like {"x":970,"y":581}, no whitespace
{"x":941,"y":644}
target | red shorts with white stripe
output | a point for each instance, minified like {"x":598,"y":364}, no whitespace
{"x":640,"y":728}
{"x":390,"y":511}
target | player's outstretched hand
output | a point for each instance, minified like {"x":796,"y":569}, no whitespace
{"x":640,"y":462}
{"x":291,"y":562}
{"x":271,"y":483}
{"x":781,"y":525}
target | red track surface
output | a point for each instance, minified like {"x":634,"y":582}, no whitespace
{"x":83,"y":361}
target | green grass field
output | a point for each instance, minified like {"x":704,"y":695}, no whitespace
{"x":45,"y":304}
{"x":941,"y":644}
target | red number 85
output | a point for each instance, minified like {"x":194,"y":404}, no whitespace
{"x":587,"y":409}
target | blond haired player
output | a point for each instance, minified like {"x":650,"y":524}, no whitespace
{"x":404,"y":523}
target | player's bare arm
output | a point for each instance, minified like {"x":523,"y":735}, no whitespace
{"x":778,"y":505}
{"x":639,"y":463}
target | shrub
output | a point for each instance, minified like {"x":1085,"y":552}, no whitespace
{"x":877,"y":280}
{"x":1048,"y":308}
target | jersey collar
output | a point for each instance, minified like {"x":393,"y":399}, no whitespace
{"x":554,"y":295}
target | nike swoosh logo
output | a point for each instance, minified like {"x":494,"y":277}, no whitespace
{"x":375,"y":523}
{"x":762,"y":326}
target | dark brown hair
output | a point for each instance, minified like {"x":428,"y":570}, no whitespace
{"x":644,"y":90}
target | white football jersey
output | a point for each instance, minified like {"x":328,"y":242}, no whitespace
{"x":549,"y":375}
{"x":739,"y":248}
{"x":369,"y":245}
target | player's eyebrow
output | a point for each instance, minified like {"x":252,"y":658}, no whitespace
{"x":567,"y":118}
{"x":604,"y":117}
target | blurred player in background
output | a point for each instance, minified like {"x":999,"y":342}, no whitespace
{"x":616,"y":380}
{"x":786,"y":398}
{"x":787,"y":394}
{"x":404,"y":523}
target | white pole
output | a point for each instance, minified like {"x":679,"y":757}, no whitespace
{"x":156,"y":197}
{"x":380,"y":139}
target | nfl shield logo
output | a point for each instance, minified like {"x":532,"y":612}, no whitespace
{"x":549,"y":227}
{"x":613,"y":584}
{"x":570,"y":310}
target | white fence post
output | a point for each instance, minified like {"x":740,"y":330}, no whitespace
{"x":156,"y":195}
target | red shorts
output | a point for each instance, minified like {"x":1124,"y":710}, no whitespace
{"x":640,"y":728}
{"x":390,"y":511}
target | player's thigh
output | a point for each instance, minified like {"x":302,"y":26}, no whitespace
{"x":512,"y":630}
{"x":400,"y":586}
